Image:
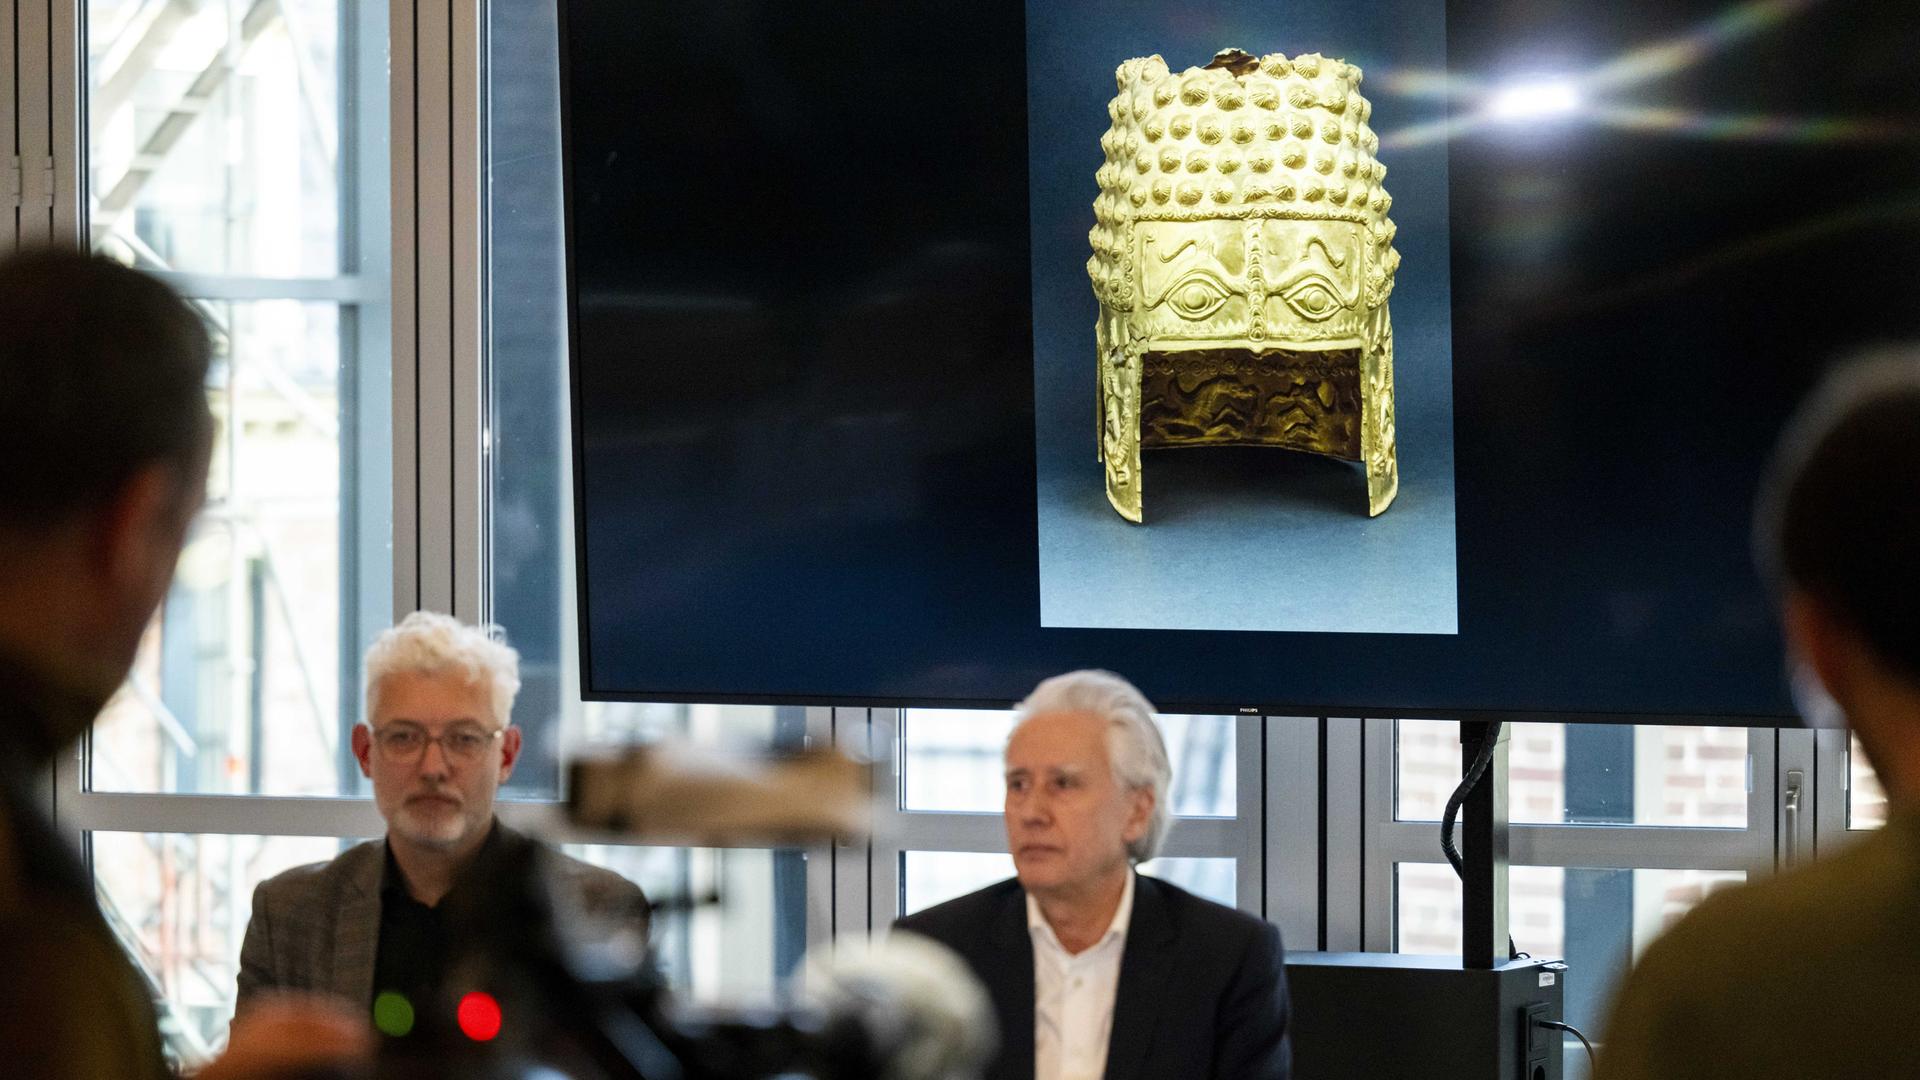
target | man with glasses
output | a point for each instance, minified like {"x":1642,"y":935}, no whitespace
{"x":373,"y":925}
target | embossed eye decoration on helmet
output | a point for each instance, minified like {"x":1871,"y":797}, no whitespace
{"x":1313,"y":298}
{"x":1197,"y":295}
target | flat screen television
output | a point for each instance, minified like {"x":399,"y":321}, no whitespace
{"x":1437,"y":347}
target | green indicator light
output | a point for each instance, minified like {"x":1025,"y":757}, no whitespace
{"x":393,"y":1014}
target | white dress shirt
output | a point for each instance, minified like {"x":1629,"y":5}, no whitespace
{"x":1073,"y":995}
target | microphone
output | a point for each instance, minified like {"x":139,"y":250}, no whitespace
{"x":672,"y":792}
{"x":924,"y":1014}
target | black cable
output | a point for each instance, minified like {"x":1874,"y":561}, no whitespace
{"x":1458,"y":799}
{"x":1556,"y":1025}
{"x":1451,"y":817}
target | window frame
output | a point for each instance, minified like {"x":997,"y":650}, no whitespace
{"x":1391,"y":841}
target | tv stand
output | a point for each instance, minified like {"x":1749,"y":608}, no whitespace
{"x":1484,"y":927}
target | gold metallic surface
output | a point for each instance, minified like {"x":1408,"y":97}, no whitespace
{"x":1243,"y":256}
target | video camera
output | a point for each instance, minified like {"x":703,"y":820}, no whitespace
{"x":549,"y":991}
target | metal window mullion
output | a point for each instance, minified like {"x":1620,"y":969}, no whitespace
{"x":1248,"y":835}
{"x":1832,"y":791}
{"x":882,"y":738}
{"x":404,"y":165}
{"x":66,"y":778}
{"x":347,"y":288}
{"x":1763,"y":797}
{"x":932,"y":831}
{"x":1594,"y":846}
{"x":11,"y":175}
{"x":854,"y":897}
{"x":69,"y":210}
{"x":466,"y":149}
{"x":432,"y":249}
{"x":43,"y":125}
{"x":1378,"y":928}
{"x":1343,"y":833}
{"x":231,"y":814}
{"x":34,"y":119}
{"x":1289,"y":859}
{"x":369,"y":432}
{"x":820,"y":859}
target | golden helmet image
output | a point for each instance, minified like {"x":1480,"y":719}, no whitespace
{"x":1242,"y":257}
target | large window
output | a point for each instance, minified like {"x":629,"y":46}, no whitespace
{"x":1617,"y":832}
{"x":179,"y":903}
{"x":238,"y":150}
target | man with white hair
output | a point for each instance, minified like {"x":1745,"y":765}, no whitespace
{"x":371,"y":925}
{"x":1096,"y":971}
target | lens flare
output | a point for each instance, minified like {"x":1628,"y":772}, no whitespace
{"x":1535,"y":100}
{"x":1478,"y":103}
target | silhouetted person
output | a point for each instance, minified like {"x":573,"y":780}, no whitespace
{"x":105,"y":435}
{"x":1812,"y":973}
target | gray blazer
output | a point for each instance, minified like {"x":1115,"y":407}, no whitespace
{"x":316,"y":928}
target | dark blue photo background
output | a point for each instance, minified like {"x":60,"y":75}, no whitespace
{"x":1284,"y":535}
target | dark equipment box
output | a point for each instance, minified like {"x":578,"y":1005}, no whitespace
{"x":1383,"y":1015}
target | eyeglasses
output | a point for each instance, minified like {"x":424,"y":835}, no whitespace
{"x":465,"y":743}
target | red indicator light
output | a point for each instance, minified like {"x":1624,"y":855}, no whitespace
{"x":479,"y":1016}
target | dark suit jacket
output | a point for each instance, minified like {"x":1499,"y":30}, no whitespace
{"x":317,"y":927}
{"x":1202,"y":992}
{"x":72,"y":1005}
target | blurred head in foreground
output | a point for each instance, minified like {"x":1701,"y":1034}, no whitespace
{"x":105,"y":434}
{"x":1838,"y":538}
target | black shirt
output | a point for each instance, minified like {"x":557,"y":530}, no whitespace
{"x":418,"y":943}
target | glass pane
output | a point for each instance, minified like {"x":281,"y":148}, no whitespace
{"x":215,"y":133}
{"x":241,"y":687}
{"x":1598,"y":920}
{"x":1866,"y":799}
{"x":529,"y":504}
{"x":952,"y":761}
{"x":231,"y":145}
{"x":1427,"y":909}
{"x":180,"y":904}
{"x":558,"y":723}
{"x":1587,"y":774}
{"x":932,"y":877}
{"x":1214,"y":879}
{"x":735,"y":949}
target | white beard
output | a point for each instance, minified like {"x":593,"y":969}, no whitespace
{"x":430,"y":829}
